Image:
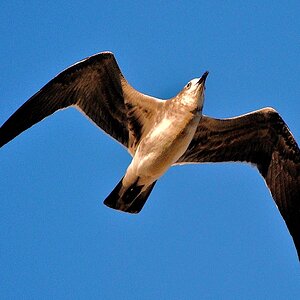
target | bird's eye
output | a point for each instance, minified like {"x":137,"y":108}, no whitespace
{"x":188,"y":85}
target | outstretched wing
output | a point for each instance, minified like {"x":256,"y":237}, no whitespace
{"x":263,"y":139}
{"x":97,"y":87}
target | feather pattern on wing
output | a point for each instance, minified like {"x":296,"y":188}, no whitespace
{"x":261,"y":138}
{"x":96,"y":87}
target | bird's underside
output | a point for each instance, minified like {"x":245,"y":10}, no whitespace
{"x":97,"y":88}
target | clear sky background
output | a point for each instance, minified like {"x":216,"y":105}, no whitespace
{"x":207,"y":231}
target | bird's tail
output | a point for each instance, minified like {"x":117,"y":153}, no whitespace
{"x":130,"y":199}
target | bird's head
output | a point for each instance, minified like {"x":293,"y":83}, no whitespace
{"x":192,"y":94}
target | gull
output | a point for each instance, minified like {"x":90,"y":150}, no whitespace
{"x":161,"y":133}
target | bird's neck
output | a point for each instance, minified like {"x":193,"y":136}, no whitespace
{"x":188,"y":104}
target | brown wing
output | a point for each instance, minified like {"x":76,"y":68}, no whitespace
{"x":263,"y":139}
{"x":95,"y":86}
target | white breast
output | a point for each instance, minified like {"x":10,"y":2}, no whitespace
{"x":164,"y":145}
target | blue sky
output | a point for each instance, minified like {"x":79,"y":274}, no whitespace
{"x":207,"y":231}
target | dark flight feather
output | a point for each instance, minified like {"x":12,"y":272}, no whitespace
{"x":263,"y":139}
{"x":96,"y":87}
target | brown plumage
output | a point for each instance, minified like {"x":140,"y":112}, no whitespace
{"x":97,"y":88}
{"x":264,"y":140}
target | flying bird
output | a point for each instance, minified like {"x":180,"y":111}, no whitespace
{"x":161,"y":133}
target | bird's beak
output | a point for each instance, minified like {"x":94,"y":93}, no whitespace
{"x":203,"y":78}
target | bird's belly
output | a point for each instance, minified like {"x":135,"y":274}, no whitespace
{"x":163,"y":146}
